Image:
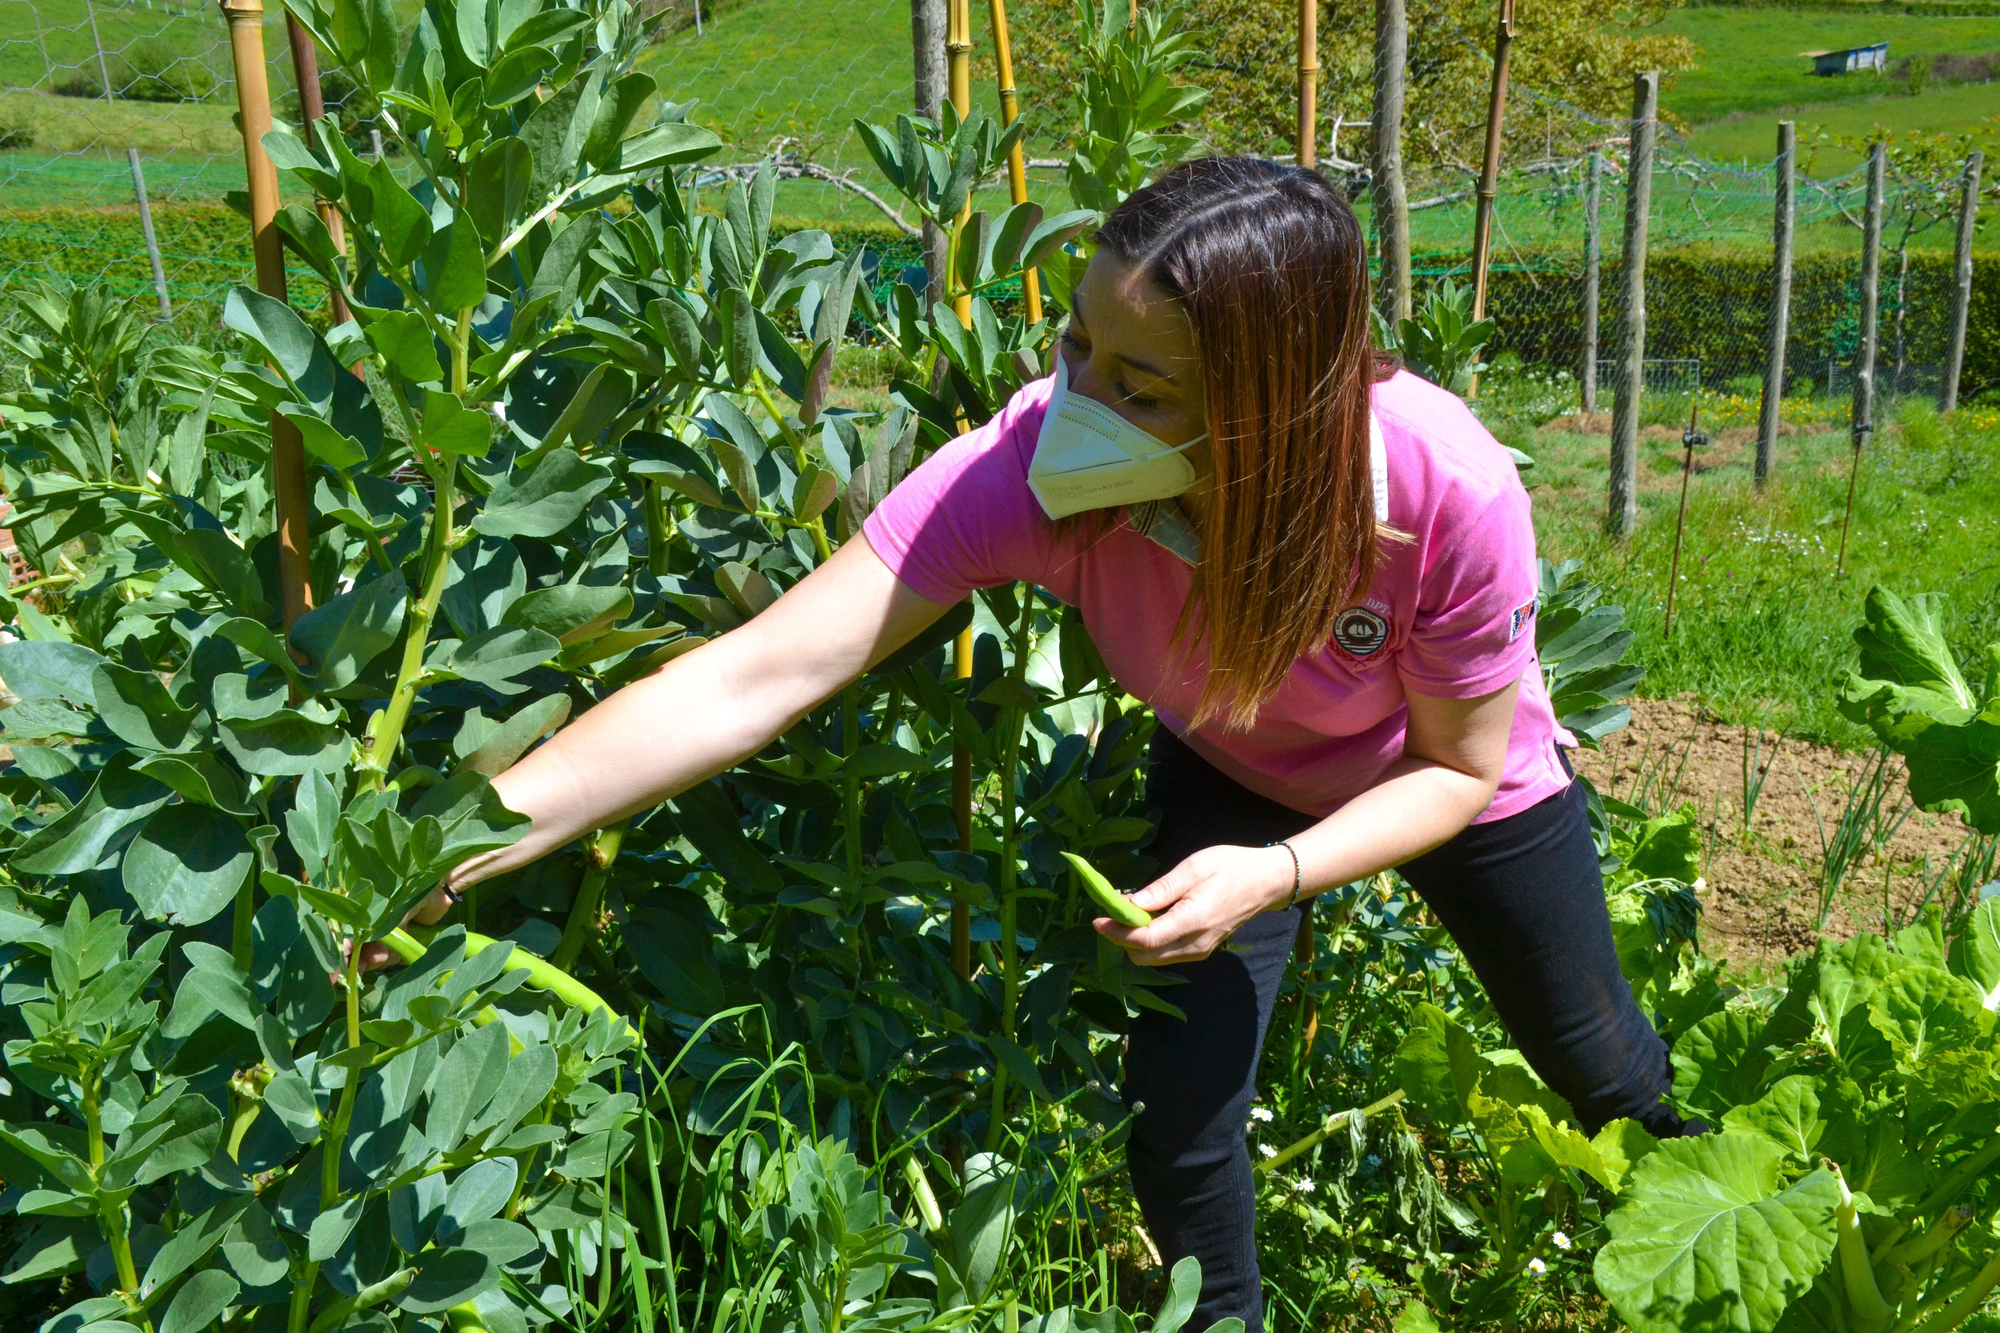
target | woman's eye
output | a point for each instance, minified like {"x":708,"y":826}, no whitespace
{"x":1130,"y":399}
{"x":1070,"y":339}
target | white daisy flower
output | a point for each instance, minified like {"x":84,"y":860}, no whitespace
{"x":1262,"y":1113}
{"x":1537,"y":1267}
{"x":1267,"y":1150}
{"x":1562,"y":1241}
{"x":1304,"y":1185}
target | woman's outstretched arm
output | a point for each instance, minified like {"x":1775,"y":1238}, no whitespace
{"x":706,"y":711}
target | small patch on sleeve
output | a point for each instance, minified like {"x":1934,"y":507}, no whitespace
{"x":1522,"y":615}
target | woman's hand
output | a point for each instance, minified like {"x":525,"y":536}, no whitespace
{"x":1198,"y":904}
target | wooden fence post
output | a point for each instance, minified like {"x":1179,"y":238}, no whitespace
{"x":97,"y":44}
{"x":1389,"y":202}
{"x":288,"y":455}
{"x":1778,"y":321}
{"x":1623,"y":509}
{"x":1863,"y":419}
{"x":927,"y":40}
{"x":1489,"y":165}
{"x":1961,"y":288}
{"x":1593,"y":268}
{"x":1308,"y":135}
{"x":152,"y":242}
{"x":312,"y":109}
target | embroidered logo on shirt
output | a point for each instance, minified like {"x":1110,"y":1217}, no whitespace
{"x":1360,"y":631}
{"x":1519,"y":621}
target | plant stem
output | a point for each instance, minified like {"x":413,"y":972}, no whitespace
{"x":1010,"y":838}
{"x":111,"y":1216}
{"x":1975,"y":1294}
{"x":332,"y":1141}
{"x":850,"y":740}
{"x":1320,"y":1135}
{"x":242,"y":941}
{"x":1864,"y":1296}
{"x":385,"y":729}
{"x":656,"y":530}
{"x":582,"y":923}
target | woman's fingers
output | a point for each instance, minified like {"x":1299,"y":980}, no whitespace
{"x":432,"y":909}
{"x":426,"y":913}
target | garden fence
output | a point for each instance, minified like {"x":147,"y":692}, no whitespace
{"x":94,"y":93}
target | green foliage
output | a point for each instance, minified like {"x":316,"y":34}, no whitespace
{"x":1442,"y":342}
{"x":573,"y":430}
{"x":1856,"y":1107}
{"x":1581,"y":645}
{"x":1910,"y":691}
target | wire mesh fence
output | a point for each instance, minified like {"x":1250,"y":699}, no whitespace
{"x":88,"y":86}
{"x":85,"y":85}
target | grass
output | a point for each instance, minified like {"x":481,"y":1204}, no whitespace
{"x":1762,"y":625}
{"x":773,"y":69}
{"x":1750,"y":61}
{"x":1752,"y":75}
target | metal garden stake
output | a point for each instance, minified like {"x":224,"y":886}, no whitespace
{"x":1691,"y":440}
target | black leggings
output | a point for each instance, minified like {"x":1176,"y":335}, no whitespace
{"x":1524,"y":900}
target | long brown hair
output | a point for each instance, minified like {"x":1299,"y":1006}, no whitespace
{"x":1272,"y":270}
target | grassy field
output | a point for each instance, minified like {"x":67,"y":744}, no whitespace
{"x":1762,"y":626}
{"x":771,"y":69}
{"x":1752,"y":75}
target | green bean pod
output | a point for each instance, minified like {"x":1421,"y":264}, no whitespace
{"x":1115,"y":904}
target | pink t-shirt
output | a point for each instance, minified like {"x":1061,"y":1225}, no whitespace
{"x":1450,"y":614}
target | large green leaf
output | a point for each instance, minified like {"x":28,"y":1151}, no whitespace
{"x":570,"y":612}
{"x":502,"y":653}
{"x":138,"y":709}
{"x":544,"y":501}
{"x":1902,"y":643}
{"x":187,"y":864}
{"x":1925,"y":1011}
{"x":36,"y":670}
{"x":200,"y":1302}
{"x":1788,"y":1115}
{"x":669,"y":144}
{"x":497,"y":186}
{"x":1709,"y":1239}
{"x":97,"y":826}
{"x":298,"y":353}
{"x":267,"y":738}
{"x":1975,"y":954}
{"x":341,"y":637}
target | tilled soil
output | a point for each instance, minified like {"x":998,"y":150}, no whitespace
{"x":1764,"y":882}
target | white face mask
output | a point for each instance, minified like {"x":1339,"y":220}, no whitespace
{"x":1089,"y":457}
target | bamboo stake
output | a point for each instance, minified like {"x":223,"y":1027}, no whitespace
{"x":958,"y":56}
{"x":1779,"y":320}
{"x":1489,"y":166}
{"x":1691,"y":439}
{"x":1389,"y":203}
{"x":1864,"y":355}
{"x":1017,"y":167}
{"x":152,"y":241}
{"x":288,"y":455}
{"x":312,"y":110}
{"x":1623,"y":508}
{"x":1308,"y":136}
{"x":1961,"y":292}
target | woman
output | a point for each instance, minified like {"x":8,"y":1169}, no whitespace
{"x":1319,"y":572}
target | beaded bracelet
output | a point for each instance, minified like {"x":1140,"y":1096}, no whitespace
{"x":1296,"y":878}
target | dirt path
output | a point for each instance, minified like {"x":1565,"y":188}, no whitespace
{"x":1765,"y":881}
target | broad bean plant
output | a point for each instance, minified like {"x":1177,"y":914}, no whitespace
{"x":580,"y":422}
